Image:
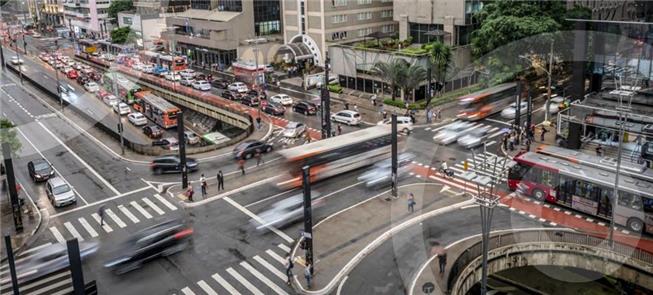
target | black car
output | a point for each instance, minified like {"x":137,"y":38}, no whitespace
{"x":153,"y":131}
{"x":250,"y":100}
{"x":220,"y":83}
{"x":40,"y":170}
{"x":81,"y":80}
{"x":172,"y":163}
{"x":274,"y":109}
{"x":248,"y":149}
{"x":305,"y":107}
{"x":160,"y":240}
{"x":230,"y":95}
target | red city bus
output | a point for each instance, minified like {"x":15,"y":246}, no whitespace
{"x":157,"y":109}
{"x":179,"y":63}
{"x":480,"y":104}
{"x":586,"y":189}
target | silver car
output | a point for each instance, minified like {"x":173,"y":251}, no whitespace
{"x":381,"y":172}
{"x":50,"y":259}
{"x":452,"y":132}
{"x":294,"y":129}
{"x":284,"y":212}
{"x":60,"y":192}
{"x":474,"y":138}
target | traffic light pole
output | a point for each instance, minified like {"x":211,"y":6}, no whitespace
{"x":114,"y":85}
{"x":182,"y":149}
{"x":325,"y":101}
{"x":308,"y":215}
{"x":11,"y":187}
{"x":12,"y":265}
{"x":518,"y":111}
{"x":394,"y":156}
{"x":76,"y":272}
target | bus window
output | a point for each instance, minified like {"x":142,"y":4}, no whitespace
{"x":630,"y":201}
{"x":604,"y":194}
{"x":517,"y":172}
{"x":548,"y":178}
{"x":648,"y":205}
{"x":566,"y":189}
{"x":533,"y":175}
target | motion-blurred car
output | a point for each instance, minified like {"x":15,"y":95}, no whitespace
{"x":172,"y":163}
{"x":40,"y":170}
{"x":274,"y":109}
{"x":137,"y":119}
{"x":452,"y":132}
{"x":347,"y":116}
{"x":381,"y":172}
{"x":111,"y":100}
{"x":284,"y":212}
{"x":160,"y":240}
{"x":15,"y":60}
{"x":91,"y":86}
{"x":220,"y":83}
{"x":59,"y":192}
{"x":282,"y":99}
{"x":191,"y":137}
{"x":248,"y":149}
{"x":294,"y":129}
{"x":510,"y":111}
{"x":153,"y":131}
{"x":404,"y":124}
{"x":50,"y":259}
{"x":474,"y":138}
{"x":556,"y":104}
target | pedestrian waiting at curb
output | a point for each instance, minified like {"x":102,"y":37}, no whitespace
{"x":203,"y":185}
{"x":190,"y":192}
{"x":289,"y":266}
{"x":411,"y":202}
{"x":258,"y":123}
{"x":544,"y":131}
{"x":339,"y":129}
{"x":308,"y":275}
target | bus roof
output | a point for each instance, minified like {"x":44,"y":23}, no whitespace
{"x":488,"y":91}
{"x":335,"y":142}
{"x":156,"y":101}
{"x":599,"y":176}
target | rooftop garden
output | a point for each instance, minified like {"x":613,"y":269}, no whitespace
{"x":403,"y":47}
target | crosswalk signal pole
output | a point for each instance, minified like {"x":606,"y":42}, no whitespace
{"x":518,"y":111}
{"x":182,"y":149}
{"x":394,"y":156}
{"x":12,"y":265}
{"x":325,"y":101}
{"x":308,"y":215}
{"x":76,"y":267}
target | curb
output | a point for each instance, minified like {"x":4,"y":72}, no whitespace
{"x":18,"y":249}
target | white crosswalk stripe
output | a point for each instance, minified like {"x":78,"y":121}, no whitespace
{"x":141,"y":209}
{"x":57,"y":235}
{"x":206,"y":288}
{"x":225,"y":284}
{"x":263,"y":278}
{"x":271,"y":268}
{"x":128,"y":214}
{"x":87,"y":227}
{"x":165,"y":202}
{"x":73,"y":231}
{"x":275,"y":256}
{"x":243,"y":281}
{"x":284,"y":248}
{"x":115,"y":218}
{"x":106,"y":227}
{"x":153,"y":206}
{"x":187,"y":291}
{"x":46,"y":283}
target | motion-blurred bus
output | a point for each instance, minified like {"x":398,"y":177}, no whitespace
{"x":336,"y":155}
{"x":483,"y":103}
{"x":157,"y":109}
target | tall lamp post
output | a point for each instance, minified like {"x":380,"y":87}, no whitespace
{"x":549,"y":73}
{"x":256,"y":52}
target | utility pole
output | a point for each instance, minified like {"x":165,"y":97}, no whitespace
{"x":613,"y":204}
{"x":75,"y":262}
{"x":114,"y":85}
{"x":56,"y":74}
{"x":308,"y":215}
{"x":11,"y":187}
{"x":518,"y":110}
{"x":182,"y":149}
{"x":548,"y":90}
{"x":393,"y":175}
{"x":325,"y":100}
{"x":12,"y":265}
{"x":2,"y":53}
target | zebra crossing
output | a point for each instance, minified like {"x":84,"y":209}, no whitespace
{"x":121,"y":216}
{"x":56,"y":283}
{"x":263,"y":273}
{"x":482,"y":164}
{"x":493,"y":131}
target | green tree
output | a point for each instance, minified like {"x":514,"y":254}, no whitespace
{"x":8,"y":135}
{"x":440,"y":61}
{"x":414,"y":75}
{"x":122,"y":35}
{"x":119,"y":6}
{"x":391,"y":72}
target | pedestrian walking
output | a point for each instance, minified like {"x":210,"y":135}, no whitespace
{"x":504,"y":141}
{"x":544,"y":131}
{"x":599,"y":150}
{"x":100,"y":212}
{"x":220,"y":180}
{"x":289,"y":266}
{"x":511,"y":142}
{"x":355,"y":108}
{"x":259,"y":157}
{"x":346,"y":105}
{"x":429,"y":113}
{"x":308,"y":138}
{"x":203,"y":185}
{"x":339,"y":129}
{"x":241,"y":166}
{"x":385,"y":115}
{"x":258,"y":122}
{"x":190,"y":192}
{"x":411,"y":203}
{"x":308,"y":275}
{"x":373,"y":100}
{"x":442,"y":261}
{"x":439,"y":114}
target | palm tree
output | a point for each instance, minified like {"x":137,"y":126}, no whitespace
{"x":414,"y":75}
{"x":440,"y":60}
{"x":391,"y":72}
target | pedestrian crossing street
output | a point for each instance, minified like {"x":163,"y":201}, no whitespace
{"x":56,"y":283}
{"x":483,"y":165}
{"x":264,"y":273}
{"x":121,"y":216}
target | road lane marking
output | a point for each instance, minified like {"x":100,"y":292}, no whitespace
{"x":165,"y":202}
{"x":275,"y":256}
{"x":263,"y":278}
{"x":73,"y":231}
{"x":43,"y":281}
{"x":271,"y":268}
{"x":284,"y":248}
{"x":225,"y":284}
{"x":206,"y":288}
{"x":244,"y":282}
{"x":140,"y":209}
{"x":495,"y":134}
{"x":128,"y":214}
{"x":57,"y":235}
{"x":115,"y":218}
{"x":99,"y":202}
{"x":497,"y":121}
{"x":106,"y":227}
{"x":187,"y":291}
{"x":258,"y":219}
{"x":50,"y":287}
{"x":88,"y":227}
{"x":153,"y":206}
{"x":104,"y":181}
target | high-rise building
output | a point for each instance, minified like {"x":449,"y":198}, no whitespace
{"x":52,"y":12}
{"x":154,"y":8}
{"x":88,"y":18}
{"x":318,"y":23}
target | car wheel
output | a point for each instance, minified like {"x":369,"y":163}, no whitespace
{"x":248,"y":156}
{"x":406,"y":131}
{"x":158,"y":171}
{"x":538,"y":194}
{"x":127,"y":268}
{"x":268,"y":149}
{"x":635,"y":225}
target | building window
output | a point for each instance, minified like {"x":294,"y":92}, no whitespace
{"x":364,"y":2}
{"x":418,"y":32}
{"x":232,"y":5}
{"x":388,"y":29}
{"x":386,"y":13}
{"x":267,"y":17}
{"x":339,"y":2}
{"x":365,"y":32}
{"x":339,"y":36}
{"x":463,"y":34}
{"x":127,"y":20}
{"x":201,"y":4}
{"x":365,"y":15}
{"x":336,"y":19}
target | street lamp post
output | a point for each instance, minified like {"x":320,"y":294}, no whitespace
{"x":308,"y":215}
{"x":56,"y":75}
{"x":114,"y":85}
{"x":549,"y":73}
{"x":325,"y":100}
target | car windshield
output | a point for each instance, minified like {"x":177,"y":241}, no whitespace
{"x":41,"y":166}
{"x":60,"y":189}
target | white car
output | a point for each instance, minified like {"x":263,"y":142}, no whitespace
{"x":191,"y":137}
{"x":172,"y":76}
{"x":111,"y":100}
{"x":137,"y":119}
{"x":510,"y":111}
{"x":474,"y":138}
{"x":121,"y":108}
{"x":404,"y":124}
{"x":294,"y":129}
{"x":91,"y":87}
{"x":16,"y":61}
{"x":202,"y":85}
{"x":555,"y":104}
{"x":348,"y":117}
{"x":147,"y":69}
{"x":453,"y":131}
{"x":239,"y":87}
{"x":186,"y":81}
{"x":187,"y":73}
{"x":60,"y":192}
{"x":281,"y":99}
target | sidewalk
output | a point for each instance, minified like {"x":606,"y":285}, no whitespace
{"x":31,"y":217}
{"x":342,"y":240}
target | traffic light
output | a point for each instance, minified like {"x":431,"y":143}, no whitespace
{"x":466,"y":165}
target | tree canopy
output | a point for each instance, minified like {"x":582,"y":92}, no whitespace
{"x":119,"y":6}
{"x":122,"y":35}
{"x":8,"y":135}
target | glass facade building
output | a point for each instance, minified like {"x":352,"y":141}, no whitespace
{"x":267,"y":17}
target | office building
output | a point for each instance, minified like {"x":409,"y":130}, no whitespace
{"x":88,"y":18}
{"x":52,"y":12}
{"x":155,"y":8}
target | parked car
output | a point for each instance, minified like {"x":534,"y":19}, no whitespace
{"x":305,"y":107}
{"x":172,"y":163}
{"x":220,"y":83}
{"x":160,"y":240}
{"x":40,"y":170}
{"x":153,"y":131}
{"x":282,"y":99}
{"x":186,"y":81}
{"x":59,"y":192}
{"x":250,"y":100}
{"x":91,"y":86}
{"x":191,"y":137}
{"x":137,"y":119}
{"x":111,"y":100}
{"x":248,"y":149}
{"x":404,"y":124}
{"x":202,"y":85}
{"x":239,"y":87}
{"x":121,"y":108}
{"x":274,"y":109}
{"x":347,"y":116}
{"x":230,"y":95}
{"x":511,"y":111}
{"x":294,"y":129}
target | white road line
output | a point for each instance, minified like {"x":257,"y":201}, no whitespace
{"x":44,"y":280}
{"x":57,"y":235}
{"x":601,"y":223}
{"x":284,"y":248}
{"x":244,"y":282}
{"x":187,"y":291}
{"x":115,"y":218}
{"x":78,"y":208}
{"x":497,"y":121}
{"x":269,"y":198}
{"x":531,"y":216}
{"x":104,"y":181}
{"x":106,"y":227}
{"x":128,"y":214}
{"x":553,"y":224}
{"x":64,"y":291}
{"x":88,"y":227}
{"x":495,"y":134}
{"x":258,"y":219}
{"x":153,"y":206}
{"x":275,"y":256}
{"x":141,"y":209}
{"x":73,"y":231}
{"x":542,"y":220}
{"x":490,"y":143}
{"x":271,"y":268}
{"x":263,"y":278}
{"x":206,"y":288}
{"x":165,"y":202}
{"x":50,"y":287}
{"x":225,"y":284}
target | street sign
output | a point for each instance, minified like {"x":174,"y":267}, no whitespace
{"x":428,"y":288}
{"x":306,"y":235}
{"x":465,"y":165}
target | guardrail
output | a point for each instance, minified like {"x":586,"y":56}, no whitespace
{"x":550,"y":236}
